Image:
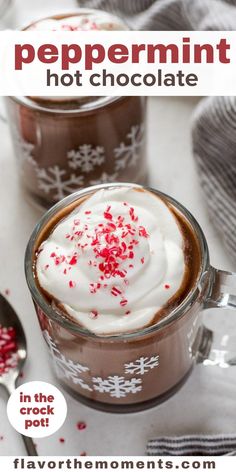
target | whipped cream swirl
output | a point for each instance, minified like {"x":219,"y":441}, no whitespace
{"x":115,"y":261}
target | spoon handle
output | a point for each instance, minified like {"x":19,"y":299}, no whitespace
{"x":29,"y":445}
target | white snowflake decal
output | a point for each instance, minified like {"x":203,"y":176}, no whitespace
{"x":24,"y":149}
{"x":116,"y":386}
{"x":142,"y":365}
{"x":53,"y":179}
{"x":127,"y":154}
{"x":66,"y":367}
{"x":104,"y":179}
{"x":86,"y":157}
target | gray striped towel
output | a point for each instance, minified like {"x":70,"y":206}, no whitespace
{"x":194,"y":445}
{"x":214,"y":122}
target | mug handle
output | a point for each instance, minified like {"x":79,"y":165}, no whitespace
{"x":213,"y":348}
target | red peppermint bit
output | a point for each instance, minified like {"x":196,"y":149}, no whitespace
{"x":87,"y":212}
{"x":21,"y":375}
{"x":125,"y":204}
{"x":83,"y":453}
{"x":132,"y":214}
{"x":46,"y":266}
{"x":7,"y":292}
{"x":143,"y":232}
{"x":72,"y":284}
{"x":67,"y":236}
{"x":128,"y":312}
{"x":111,"y":226}
{"x":124,"y":246}
{"x":73,"y":260}
{"x":53,"y":254}
{"x":107,"y":215}
{"x":123,"y":302}
{"x":131,"y":266}
{"x":93,"y":314}
{"x":95,"y":242}
{"x":59,"y":259}
{"x":62,"y":440}
{"x":131,"y":255}
{"x":142,"y":260}
{"x":167,"y":286}
{"x":65,"y":271}
{"x":116,"y":291}
{"x":83,"y":245}
{"x":92,"y":288}
{"x":122,"y":273}
{"x":76,"y":222}
{"x":81,"y":425}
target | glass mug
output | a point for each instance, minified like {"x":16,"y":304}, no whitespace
{"x":60,"y":150}
{"x":65,"y":144}
{"x":131,"y":371}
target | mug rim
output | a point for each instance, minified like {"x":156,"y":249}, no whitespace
{"x":83,"y":108}
{"x":55,"y":315}
{"x":99,"y":102}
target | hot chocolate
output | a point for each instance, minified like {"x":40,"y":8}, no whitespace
{"x":66,"y":143}
{"x":120,"y":261}
{"x":110,"y":269}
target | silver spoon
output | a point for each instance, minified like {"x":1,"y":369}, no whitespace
{"x":9,"y":318}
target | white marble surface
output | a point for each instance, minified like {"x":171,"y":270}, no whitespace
{"x":207,"y":401}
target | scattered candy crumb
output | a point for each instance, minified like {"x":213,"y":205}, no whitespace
{"x":81,"y":425}
{"x":83,"y":454}
{"x":7,"y":292}
{"x":167,"y":286}
{"x":62,"y":440}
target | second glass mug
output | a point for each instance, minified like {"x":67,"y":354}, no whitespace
{"x":132,"y":371}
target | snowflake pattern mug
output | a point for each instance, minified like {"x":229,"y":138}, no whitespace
{"x":131,"y":370}
{"x":63,"y":144}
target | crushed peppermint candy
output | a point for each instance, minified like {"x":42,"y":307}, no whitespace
{"x":112,"y":245}
{"x":81,"y":425}
{"x":72,"y":284}
{"x":8,"y":349}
